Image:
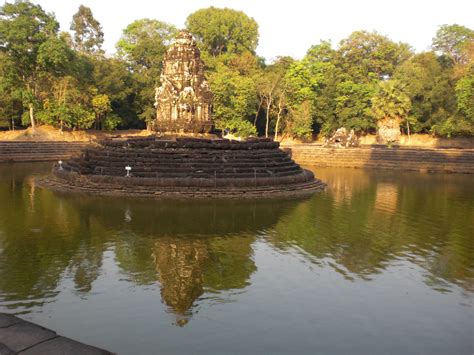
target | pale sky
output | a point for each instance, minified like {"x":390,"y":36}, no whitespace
{"x":287,"y":27}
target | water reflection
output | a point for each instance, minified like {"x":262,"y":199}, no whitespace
{"x":189,"y":248}
{"x":385,"y":219}
{"x":365,"y":223}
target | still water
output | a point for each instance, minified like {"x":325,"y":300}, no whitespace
{"x":380,"y":263}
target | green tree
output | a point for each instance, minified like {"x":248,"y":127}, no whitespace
{"x":315,"y":78}
{"x":10,"y":98}
{"x":111,"y":77}
{"x":390,"y":106}
{"x":101,"y":105}
{"x":430,"y":88}
{"x":88,"y":35}
{"x":234,"y":100}
{"x":300,"y":122}
{"x":270,"y":89}
{"x":353,"y":104}
{"x":452,"y":40}
{"x":465,"y":95}
{"x":220,"y":31}
{"x":142,"y":46}
{"x":24,"y":28}
{"x":368,"y":56}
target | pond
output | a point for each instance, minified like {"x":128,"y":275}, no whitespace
{"x":381,"y":262}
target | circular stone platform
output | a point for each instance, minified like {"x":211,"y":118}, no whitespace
{"x":184,"y":168}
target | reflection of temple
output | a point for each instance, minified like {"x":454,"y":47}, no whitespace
{"x":386,"y":197}
{"x":188,"y":266}
{"x":180,"y":263}
{"x":183,"y":101}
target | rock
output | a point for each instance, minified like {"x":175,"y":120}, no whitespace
{"x":342,"y":139}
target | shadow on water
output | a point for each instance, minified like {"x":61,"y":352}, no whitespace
{"x":364,"y":223}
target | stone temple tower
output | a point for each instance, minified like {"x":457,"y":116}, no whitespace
{"x":183,"y":101}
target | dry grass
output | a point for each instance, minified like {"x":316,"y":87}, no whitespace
{"x":48,"y":133}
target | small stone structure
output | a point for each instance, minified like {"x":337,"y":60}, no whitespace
{"x":342,"y":139}
{"x":388,"y":130}
{"x":183,"y":101}
{"x":183,"y":168}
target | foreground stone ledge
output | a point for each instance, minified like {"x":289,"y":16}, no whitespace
{"x":18,"y":336}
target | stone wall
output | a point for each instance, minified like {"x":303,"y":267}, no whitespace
{"x":23,"y":151}
{"x":415,"y":159}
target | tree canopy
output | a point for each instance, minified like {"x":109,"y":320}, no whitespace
{"x":222,"y":31}
{"x":88,"y":35}
{"x":65,"y":79}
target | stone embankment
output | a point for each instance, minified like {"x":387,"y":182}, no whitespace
{"x":21,"y":337}
{"x":185,"y":167}
{"x":448,"y":160}
{"x":30,"y":151}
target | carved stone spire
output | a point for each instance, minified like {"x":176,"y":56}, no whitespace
{"x":183,"y":101}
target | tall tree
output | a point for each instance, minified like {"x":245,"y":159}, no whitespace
{"x":267,"y":89}
{"x":452,"y":41}
{"x":88,"y":35}
{"x":143,"y":45}
{"x":10,"y":103}
{"x":465,"y":103}
{"x":430,"y":88}
{"x":390,"y":106}
{"x":312,"y":81}
{"x":24,"y":29}
{"x":234,"y":100}
{"x":220,"y":31}
{"x":368,"y":56}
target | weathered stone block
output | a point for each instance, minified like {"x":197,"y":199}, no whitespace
{"x":23,"y":335}
{"x":61,"y":345}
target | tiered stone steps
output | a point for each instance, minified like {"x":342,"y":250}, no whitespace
{"x":186,"y":158}
{"x":185,"y":167}
{"x":446,"y":160}
{"x":30,"y":151}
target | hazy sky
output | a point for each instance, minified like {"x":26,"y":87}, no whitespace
{"x":287,"y":27}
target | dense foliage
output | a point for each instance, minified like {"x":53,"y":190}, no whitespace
{"x":66,"y":80}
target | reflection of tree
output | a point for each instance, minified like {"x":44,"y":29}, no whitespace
{"x":87,"y":261}
{"x":42,"y":236}
{"x":189,"y":247}
{"x":391,"y":218}
{"x":230,"y":262}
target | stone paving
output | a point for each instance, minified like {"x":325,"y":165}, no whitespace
{"x":18,"y":336}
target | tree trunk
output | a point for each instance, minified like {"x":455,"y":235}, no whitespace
{"x":258,"y":110}
{"x":32,"y":117}
{"x":267,"y":124}
{"x":280,"y":110}
{"x":277,"y":124}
